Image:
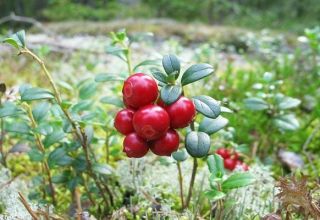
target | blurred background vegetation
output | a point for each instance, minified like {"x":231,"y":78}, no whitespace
{"x":291,"y":15}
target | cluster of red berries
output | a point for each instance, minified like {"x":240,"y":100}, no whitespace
{"x":231,"y":159}
{"x":147,"y":121}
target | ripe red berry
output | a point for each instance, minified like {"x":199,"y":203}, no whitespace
{"x":242,"y":166}
{"x":235,"y":156}
{"x":134,"y":146}
{"x":139,"y":90}
{"x":127,"y":105}
{"x":230,"y":164}
{"x":223,"y":152}
{"x":151,"y":122}
{"x":181,"y":112}
{"x":123,"y":121}
{"x":167,"y":144}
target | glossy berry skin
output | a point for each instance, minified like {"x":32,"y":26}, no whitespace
{"x":134,"y":146}
{"x":127,"y":105}
{"x":167,"y":144}
{"x":139,"y":90}
{"x":181,"y":112}
{"x":123,"y":121}
{"x":230,"y":164}
{"x":223,"y":152}
{"x":151,"y":122}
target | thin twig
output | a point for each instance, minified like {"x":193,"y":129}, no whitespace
{"x":78,"y":203}
{"x":27,"y":206}
{"x":193,"y":177}
{"x":180,"y":178}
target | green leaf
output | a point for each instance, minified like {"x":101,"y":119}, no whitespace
{"x":52,"y":138}
{"x":18,"y":127}
{"x":146,"y":63}
{"x":286,"y":122}
{"x":16,"y":40}
{"x":61,"y":178}
{"x":35,"y":155}
{"x":226,"y":110}
{"x":170,"y":93}
{"x":285,"y":102}
{"x":180,"y":155}
{"x":207,"y":106}
{"x":160,"y":76}
{"x":105,"y":77}
{"x":255,"y":104}
{"x":82,"y":105}
{"x":237,"y":180}
{"x":102,"y":168}
{"x":211,"y":126}
{"x":215,"y":165}
{"x":87,"y":90}
{"x":197,"y":144}
{"x":112,"y":100}
{"x":116,"y":51}
{"x":59,"y":157}
{"x":9,"y":109}
{"x":30,"y":94}
{"x":40,"y":111}
{"x":171,"y":65}
{"x":214,"y":195}
{"x":196,"y":72}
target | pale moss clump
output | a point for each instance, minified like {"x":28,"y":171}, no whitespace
{"x":11,"y":207}
{"x":255,"y":200}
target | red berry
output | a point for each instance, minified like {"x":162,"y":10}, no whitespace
{"x":151,"y":122}
{"x":167,"y":144}
{"x":223,"y":152}
{"x":245,"y":167}
{"x":230,"y":164}
{"x":126,"y":104}
{"x":134,"y":146}
{"x":235,"y":156}
{"x":123,"y":121}
{"x":139,"y":90}
{"x":181,"y":112}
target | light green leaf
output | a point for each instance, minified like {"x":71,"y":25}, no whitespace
{"x":285,"y":102}
{"x":112,"y":100}
{"x":102,"y":168}
{"x":87,"y":90}
{"x":214,"y":195}
{"x":237,"y":180}
{"x":147,"y":63}
{"x":31,"y":94}
{"x":105,"y":77}
{"x":9,"y":109}
{"x":286,"y":122}
{"x":16,"y":40}
{"x":215,"y":165}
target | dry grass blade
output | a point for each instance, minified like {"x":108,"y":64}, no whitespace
{"x":27,"y":206}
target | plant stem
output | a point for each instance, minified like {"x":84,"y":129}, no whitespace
{"x":128,"y":57}
{"x":180,"y":183}
{"x":41,"y":148}
{"x":193,"y":177}
{"x":3,"y":155}
{"x":219,"y":212}
{"x":107,"y":147}
{"x":77,"y":130}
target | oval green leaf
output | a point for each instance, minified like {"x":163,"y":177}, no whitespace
{"x":211,"y":126}
{"x":170,"y":93}
{"x":171,"y":65}
{"x":196,"y":72}
{"x":36,"y":94}
{"x":237,"y":180}
{"x":197,"y":144}
{"x":256,"y":104}
{"x":207,"y":106}
{"x":160,"y":76}
{"x":180,"y":155}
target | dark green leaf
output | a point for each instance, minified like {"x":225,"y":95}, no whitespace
{"x":112,"y":100}
{"x":160,"y":76}
{"x":255,"y":104}
{"x":197,"y":144}
{"x":105,"y":77}
{"x":18,"y":127}
{"x":36,"y":94}
{"x":170,"y":93}
{"x":54,"y":137}
{"x":215,"y":165}
{"x":196,"y":72}
{"x":237,"y":180}
{"x":35,"y":155}
{"x":146,"y":63}
{"x":211,"y":126}
{"x":61,"y":178}
{"x":207,"y":106}
{"x":214,"y":195}
{"x":40,"y":111}
{"x":171,"y":65}
{"x":180,"y":155}
{"x":59,"y":157}
{"x":9,"y":109}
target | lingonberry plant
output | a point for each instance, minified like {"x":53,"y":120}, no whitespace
{"x":155,"y":116}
